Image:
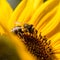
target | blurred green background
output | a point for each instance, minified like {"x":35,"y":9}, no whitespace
{"x":14,"y":3}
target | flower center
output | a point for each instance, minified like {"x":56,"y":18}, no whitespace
{"x":36,"y":45}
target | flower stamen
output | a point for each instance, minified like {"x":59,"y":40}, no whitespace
{"x":36,"y":45}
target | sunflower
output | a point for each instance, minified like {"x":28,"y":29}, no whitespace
{"x":34,"y":27}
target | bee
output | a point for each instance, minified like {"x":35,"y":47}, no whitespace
{"x":23,"y":29}
{"x":35,"y":44}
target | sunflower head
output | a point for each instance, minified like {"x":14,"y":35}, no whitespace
{"x":37,"y":45}
{"x":35,"y":40}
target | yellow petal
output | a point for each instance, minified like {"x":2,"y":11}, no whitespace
{"x":54,"y":31}
{"x":55,"y":39}
{"x":30,"y":8}
{"x":53,"y":23}
{"x":18,"y":10}
{"x":1,"y":30}
{"x":58,"y":56}
{"x":42,"y":10}
{"x":5,"y":11}
{"x":57,"y":48}
{"x":42,"y":23}
{"x":55,"y":43}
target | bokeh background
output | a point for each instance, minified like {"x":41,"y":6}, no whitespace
{"x":14,"y":3}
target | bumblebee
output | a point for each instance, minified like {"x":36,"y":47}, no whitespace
{"x":26,"y":28}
